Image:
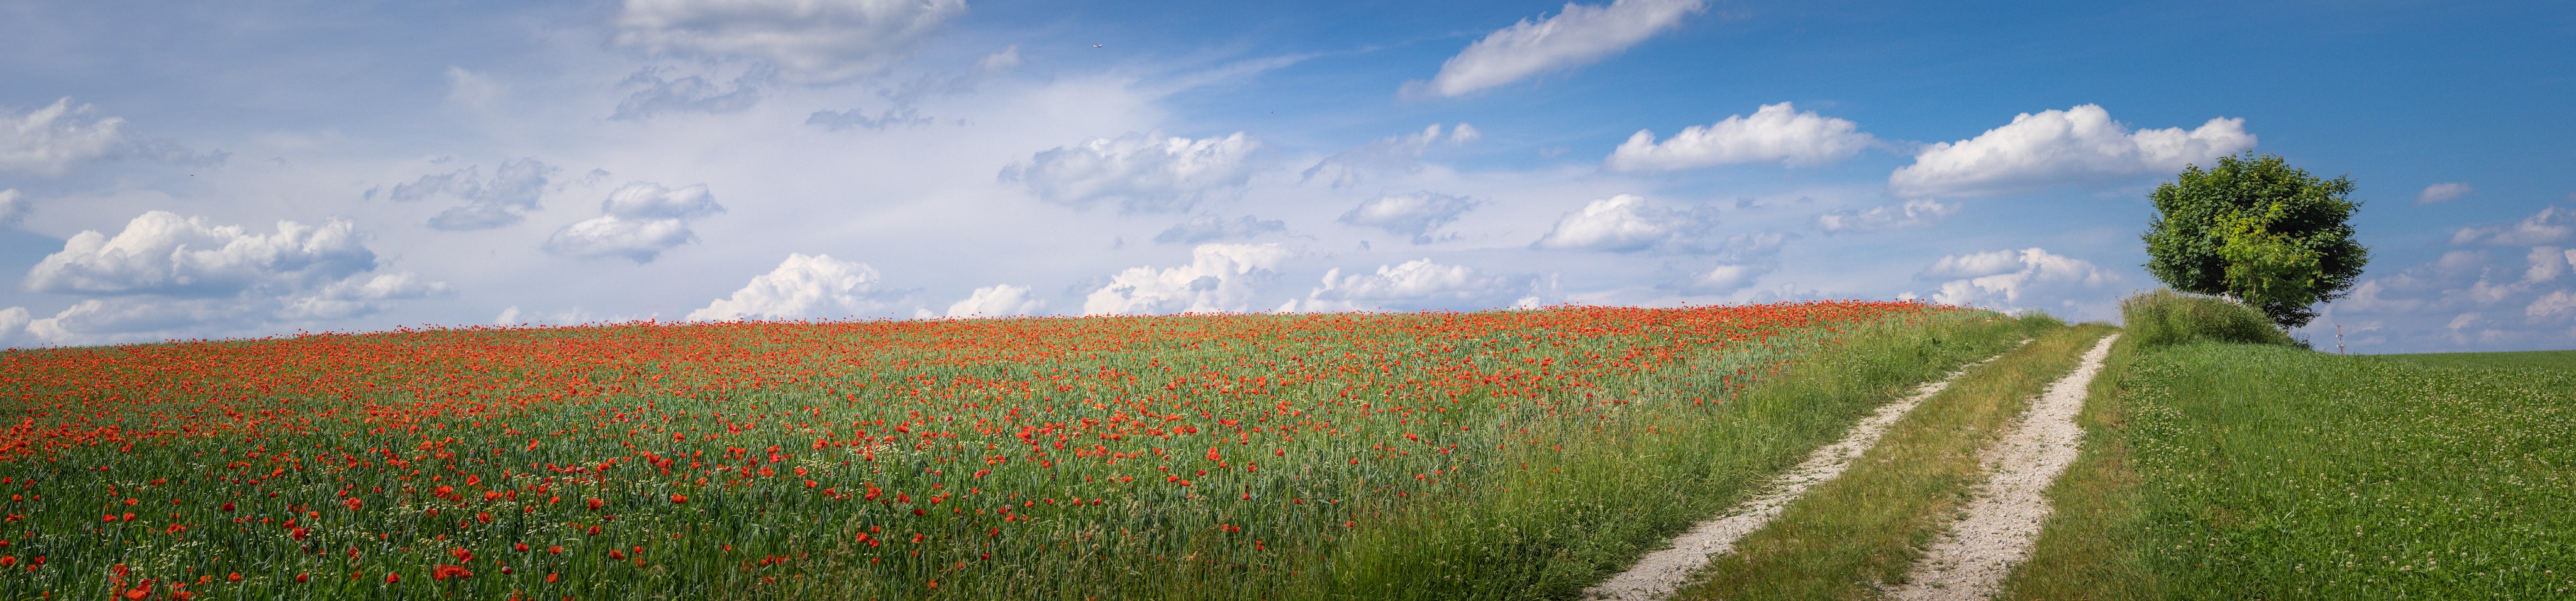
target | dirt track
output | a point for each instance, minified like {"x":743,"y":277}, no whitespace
{"x":2003,"y":519}
{"x":1657,"y":574}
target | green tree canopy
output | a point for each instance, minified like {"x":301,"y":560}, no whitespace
{"x":2259,"y":231}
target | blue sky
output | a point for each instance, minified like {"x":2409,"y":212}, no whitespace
{"x":257,"y":168}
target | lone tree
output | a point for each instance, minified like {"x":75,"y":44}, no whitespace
{"x":2258,"y":231}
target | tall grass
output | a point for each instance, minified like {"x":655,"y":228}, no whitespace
{"x":2166,"y":318}
{"x":1509,"y":455}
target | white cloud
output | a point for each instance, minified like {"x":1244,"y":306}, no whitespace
{"x":2547,"y":263}
{"x":1723,"y":279}
{"x":811,"y":40}
{"x":1626,"y":223}
{"x":1911,"y":213}
{"x":164,"y":272}
{"x":998,"y":301}
{"x":2010,"y":279}
{"x":13,"y":208}
{"x":637,"y":222}
{"x":2073,"y":146}
{"x":13,"y":328}
{"x":50,"y":141}
{"x":1208,"y":228}
{"x":163,"y":253}
{"x":1776,"y":132}
{"x":1416,"y":214}
{"x":1007,"y":60}
{"x":2562,"y":302}
{"x":515,"y":188}
{"x":646,"y":200}
{"x":1579,"y":35}
{"x":2549,"y":226}
{"x":1141,"y":172}
{"x":1219,"y":278}
{"x":802,"y":287}
{"x":513,"y":316}
{"x":360,"y":296}
{"x":1416,"y":285}
{"x":1394,"y":154}
{"x":1976,"y":264}
{"x":2443,"y":192}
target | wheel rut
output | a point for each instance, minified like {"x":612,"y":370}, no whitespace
{"x":2002,"y":520}
{"x":1658,"y":574}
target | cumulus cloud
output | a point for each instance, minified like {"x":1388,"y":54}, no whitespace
{"x":1394,"y":154}
{"x":1911,"y":213}
{"x":637,"y":222}
{"x":13,"y":328}
{"x":50,"y":141}
{"x":514,"y":189}
{"x":2547,"y":263}
{"x":2549,"y":226}
{"x":1219,"y":278}
{"x":810,"y":40}
{"x":2073,"y":146}
{"x":1416,"y":214}
{"x":1626,"y":223}
{"x":2443,"y":192}
{"x":1141,"y":172}
{"x":164,"y":271}
{"x":1580,"y":35}
{"x":656,"y":94}
{"x":1206,"y":228}
{"x":2562,"y":302}
{"x":162,"y":253}
{"x":802,"y":287}
{"x":1774,"y":133}
{"x":998,"y":301}
{"x":1416,"y":285}
{"x":13,"y":208}
{"x":2010,"y":279}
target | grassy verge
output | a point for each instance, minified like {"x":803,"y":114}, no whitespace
{"x":1849,"y":536}
{"x":2236,"y":471}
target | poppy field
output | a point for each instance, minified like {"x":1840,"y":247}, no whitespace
{"x":1508,"y":454}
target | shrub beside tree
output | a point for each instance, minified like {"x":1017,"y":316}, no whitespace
{"x":2256,"y":230}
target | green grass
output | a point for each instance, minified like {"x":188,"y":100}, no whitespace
{"x":2217,"y":471}
{"x":2087,"y":548}
{"x":2561,"y":360}
{"x":1501,"y":455}
{"x":2166,"y":317}
{"x":1846,"y":538}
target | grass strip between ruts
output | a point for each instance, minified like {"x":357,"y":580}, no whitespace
{"x":1852,"y":536}
{"x":2081,"y":552}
